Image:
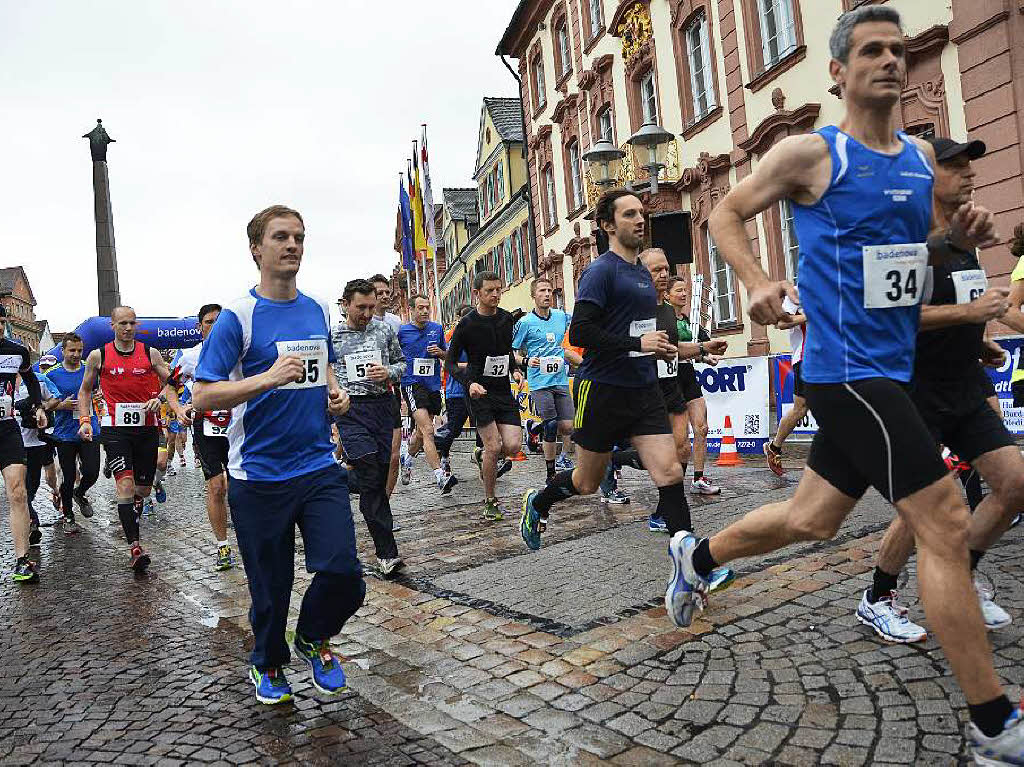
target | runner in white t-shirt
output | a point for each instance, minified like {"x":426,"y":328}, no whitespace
{"x":797,"y":335}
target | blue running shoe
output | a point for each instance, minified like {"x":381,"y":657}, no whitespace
{"x":687,"y":591}
{"x":529,"y":522}
{"x":720,"y":579}
{"x":271,"y":685}
{"x":564,"y":463}
{"x":657,"y":525}
{"x":161,"y":493}
{"x":328,"y":677}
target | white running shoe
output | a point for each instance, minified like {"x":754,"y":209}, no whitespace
{"x":687,"y":592}
{"x":703,"y":486}
{"x":406,"y":471}
{"x":388,"y":566}
{"x":1006,"y":748}
{"x":889,"y":620}
{"x":995,"y":616}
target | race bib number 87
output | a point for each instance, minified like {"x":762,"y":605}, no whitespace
{"x":313,"y":354}
{"x":894,"y":275}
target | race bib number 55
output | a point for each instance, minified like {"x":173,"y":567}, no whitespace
{"x":313,"y":354}
{"x":894,"y":275}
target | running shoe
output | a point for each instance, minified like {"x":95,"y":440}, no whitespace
{"x":530,"y":526}
{"x":446,"y":465}
{"x":34,"y":534}
{"x":328,"y":677}
{"x":71,"y":527}
{"x":170,"y":471}
{"x":889,"y":620}
{"x":504,"y":467}
{"x":161,"y":493}
{"x":492,"y":511}
{"x":656,"y":524}
{"x":84,"y":505}
{"x":616,"y":496}
{"x":147,"y":507}
{"x":406,"y":471}
{"x":271,"y":685}
{"x":225,"y":561}
{"x":720,"y":579}
{"x":564,"y":463}
{"x":704,"y":486}
{"x":140,"y":559}
{"x":995,"y":616}
{"x":1006,"y":748}
{"x":388,"y":566}
{"x":687,"y":592}
{"x":181,"y":462}
{"x":445,"y":483}
{"x":478,"y":456}
{"x":25,"y":571}
{"x":395,"y":525}
{"x":774,"y":457}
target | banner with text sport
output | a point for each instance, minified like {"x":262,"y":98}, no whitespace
{"x":737,"y":387}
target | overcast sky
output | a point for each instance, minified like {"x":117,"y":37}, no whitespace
{"x":220,"y":108}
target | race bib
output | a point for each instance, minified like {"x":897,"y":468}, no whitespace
{"x":423,"y":366}
{"x":357,"y":366}
{"x":215,"y":424}
{"x":551,"y":365}
{"x":313,"y":354}
{"x":668,"y":369}
{"x":637,"y":328}
{"x":496,"y":367}
{"x":969,"y":284}
{"x":894,"y":275}
{"x":6,"y":407}
{"x":130,"y":414}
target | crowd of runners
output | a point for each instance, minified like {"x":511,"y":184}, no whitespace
{"x":289,"y":415}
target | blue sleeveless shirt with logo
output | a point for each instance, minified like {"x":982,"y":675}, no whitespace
{"x":863,"y":262}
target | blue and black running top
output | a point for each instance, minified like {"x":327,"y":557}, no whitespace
{"x":863,"y":262}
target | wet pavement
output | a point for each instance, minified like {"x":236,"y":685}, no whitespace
{"x":482,"y":652}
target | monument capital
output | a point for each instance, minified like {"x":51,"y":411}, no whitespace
{"x":98,"y":140}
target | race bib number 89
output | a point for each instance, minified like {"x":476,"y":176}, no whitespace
{"x":313,"y":354}
{"x":894,"y":275}
{"x":130,"y":414}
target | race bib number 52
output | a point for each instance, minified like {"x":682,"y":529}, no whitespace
{"x":313,"y":354}
{"x":357,"y":366}
{"x":894,"y":275}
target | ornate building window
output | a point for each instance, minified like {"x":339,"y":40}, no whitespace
{"x":563,"y":49}
{"x":724,"y":284}
{"x":595,"y":18}
{"x":648,"y":97}
{"x":698,"y":52}
{"x":778,"y":30}
{"x":574,"y":176}
{"x":775,"y":40}
{"x":550,"y":205}
{"x":790,"y":245}
{"x":605,"y":127}
{"x":539,"y":96}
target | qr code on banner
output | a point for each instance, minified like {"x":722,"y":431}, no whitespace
{"x":751,"y":425}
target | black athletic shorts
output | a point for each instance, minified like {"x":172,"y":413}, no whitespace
{"x":798,"y":382}
{"x":12,"y":447}
{"x":212,"y":451}
{"x":870,"y":433}
{"x":688,"y":384}
{"x":672,"y":394}
{"x":607,"y":415}
{"x":419,"y":397}
{"x":495,"y":408}
{"x":132,"y":448}
{"x":958,"y":416}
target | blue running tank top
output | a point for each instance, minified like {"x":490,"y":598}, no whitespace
{"x":863,"y":262}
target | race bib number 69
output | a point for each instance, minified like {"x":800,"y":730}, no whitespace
{"x":313,"y":354}
{"x":894,"y":275}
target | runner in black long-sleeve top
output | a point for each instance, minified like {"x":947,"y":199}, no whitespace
{"x":485,"y":335}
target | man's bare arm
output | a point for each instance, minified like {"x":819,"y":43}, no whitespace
{"x":92,"y":366}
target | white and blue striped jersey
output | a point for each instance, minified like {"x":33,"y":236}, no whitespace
{"x":285,"y":432}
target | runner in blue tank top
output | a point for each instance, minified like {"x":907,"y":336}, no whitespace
{"x":862,"y":200}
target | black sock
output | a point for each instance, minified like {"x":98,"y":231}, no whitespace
{"x":696,"y":474}
{"x":129,"y":523}
{"x":673,"y":508}
{"x":991,"y":717}
{"x":550,"y":467}
{"x":975,"y":558}
{"x":558,"y":488}
{"x":703,"y":562}
{"x":882,"y":585}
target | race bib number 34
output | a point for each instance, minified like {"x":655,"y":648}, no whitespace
{"x":130,"y":414}
{"x":894,"y":275}
{"x":313,"y":354}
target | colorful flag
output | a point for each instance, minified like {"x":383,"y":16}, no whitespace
{"x":428,"y":199}
{"x":405,"y":225}
{"x":419,"y":234}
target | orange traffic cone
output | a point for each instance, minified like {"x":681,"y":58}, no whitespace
{"x":727,"y":455}
{"x":520,"y":456}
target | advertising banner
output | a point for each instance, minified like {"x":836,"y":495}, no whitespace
{"x":737,"y":387}
{"x":1013,"y":417}
{"x":782,"y":378}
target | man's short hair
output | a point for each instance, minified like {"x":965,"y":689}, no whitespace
{"x":258,"y":225}
{"x":70,"y":338}
{"x":206,"y":309}
{"x":116,"y":309}
{"x":538,"y":281}
{"x":482,"y":277}
{"x":417,"y":296}
{"x":379,"y":278}
{"x":604,"y":210}
{"x":650,"y":252}
{"x":360,"y":286}
{"x":841,"y":39}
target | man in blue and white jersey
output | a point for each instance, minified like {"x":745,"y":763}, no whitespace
{"x":539,"y":336}
{"x":861,"y":195}
{"x":268,"y":358}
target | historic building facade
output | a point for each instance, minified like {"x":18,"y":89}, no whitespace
{"x":18,"y":300}
{"x":730,"y":78}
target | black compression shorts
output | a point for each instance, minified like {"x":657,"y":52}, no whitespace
{"x":12,"y":447}
{"x":212,"y":451}
{"x":132,"y":448}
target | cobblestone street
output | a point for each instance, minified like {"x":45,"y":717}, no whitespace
{"x":481,"y":652}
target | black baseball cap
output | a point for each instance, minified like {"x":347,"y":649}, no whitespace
{"x":947,"y":149}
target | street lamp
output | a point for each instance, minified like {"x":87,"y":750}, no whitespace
{"x":651,"y":143}
{"x":603,"y":162}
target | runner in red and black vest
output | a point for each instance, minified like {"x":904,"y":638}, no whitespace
{"x":131,"y":376}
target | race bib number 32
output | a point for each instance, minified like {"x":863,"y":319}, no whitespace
{"x":496,"y":367}
{"x":894,"y":275}
{"x":130,"y":414}
{"x":313,"y":354}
